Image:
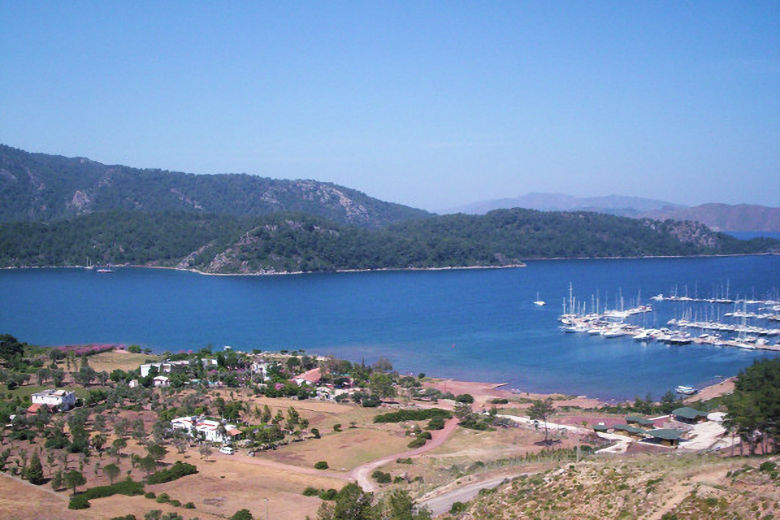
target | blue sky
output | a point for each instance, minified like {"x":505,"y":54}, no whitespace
{"x":431,"y":104}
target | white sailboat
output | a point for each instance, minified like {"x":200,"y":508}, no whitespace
{"x":539,"y":302}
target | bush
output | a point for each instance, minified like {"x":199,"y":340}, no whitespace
{"x":381,"y":477}
{"x":126,"y":487}
{"x":404,"y":461}
{"x":416,"y":443}
{"x":242,"y":514}
{"x":177,"y":471}
{"x":499,"y":401}
{"x":163,"y":498}
{"x":412,"y":415}
{"x":465,"y":398}
{"x":150,"y":494}
{"x":398,"y":479}
{"x":425,"y":435}
{"x":311,"y":492}
{"x":78,"y":502}
{"x":329,"y":494}
{"x":337,"y":427}
{"x":437,"y":423}
{"x":175,"y":503}
{"x":189,"y":505}
{"x":457,"y":507}
{"x":321,"y":465}
{"x":315,"y":432}
{"x":126,"y":517}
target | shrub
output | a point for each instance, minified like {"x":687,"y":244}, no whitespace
{"x":465,"y":398}
{"x":150,"y":494}
{"x":175,"y":503}
{"x":404,"y":461}
{"x":321,"y":465}
{"x":412,"y":415}
{"x":162,"y":498}
{"x":381,"y":477}
{"x":126,"y":487}
{"x":329,"y":494}
{"x":189,"y":505}
{"x":126,"y":517}
{"x":311,"y":492}
{"x":398,"y":479}
{"x":242,"y":514}
{"x":416,"y":443}
{"x":425,"y":435}
{"x":457,"y":507}
{"x":315,"y":432}
{"x":337,"y":427}
{"x":499,"y":401}
{"x":436,"y":423}
{"x":177,"y":471}
{"x":78,"y":502}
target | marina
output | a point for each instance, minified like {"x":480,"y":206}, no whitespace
{"x":611,"y":323}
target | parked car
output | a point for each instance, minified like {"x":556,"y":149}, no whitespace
{"x":227,"y":450}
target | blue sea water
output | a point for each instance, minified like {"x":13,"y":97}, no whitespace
{"x":476,"y":324}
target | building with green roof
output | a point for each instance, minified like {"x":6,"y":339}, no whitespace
{"x":689,"y":415}
{"x":667,"y":437}
{"x":631,"y":431}
{"x":641,"y":421}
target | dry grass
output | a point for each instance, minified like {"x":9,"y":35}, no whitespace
{"x":343,"y":450}
{"x":116,"y":359}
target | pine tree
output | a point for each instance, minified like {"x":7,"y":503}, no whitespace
{"x":35,"y":470}
{"x":56,"y":481}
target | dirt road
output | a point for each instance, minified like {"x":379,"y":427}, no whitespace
{"x":361,"y":474}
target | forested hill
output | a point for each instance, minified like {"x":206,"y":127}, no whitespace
{"x":295,"y":242}
{"x":41,"y":187}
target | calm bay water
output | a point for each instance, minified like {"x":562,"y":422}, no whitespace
{"x":468,"y":324}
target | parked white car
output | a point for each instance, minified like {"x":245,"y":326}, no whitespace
{"x":227,"y":450}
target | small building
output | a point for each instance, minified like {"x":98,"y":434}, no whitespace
{"x":161,"y":381}
{"x":689,"y":415}
{"x":133,"y":383}
{"x":629,"y":431}
{"x":667,"y":437}
{"x":600,"y":428}
{"x":311,"y":377}
{"x":207,"y":429}
{"x":60,"y":399}
{"x":640,"y":421}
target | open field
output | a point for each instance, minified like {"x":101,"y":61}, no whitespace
{"x":119,"y":359}
{"x":343,"y":450}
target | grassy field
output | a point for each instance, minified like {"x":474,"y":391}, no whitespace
{"x":24,"y":392}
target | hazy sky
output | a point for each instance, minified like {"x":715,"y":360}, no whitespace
{"x":431,"y":104}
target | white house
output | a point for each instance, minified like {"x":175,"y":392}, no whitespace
{"x":133,"y":383}
{"x":207,"y":428}
{"x":163,"y":368}
{"x":62,"y":399}
{"x":161,"y":381}
{"x":260,"y":368}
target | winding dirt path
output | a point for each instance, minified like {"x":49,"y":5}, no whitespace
{"x":361,"y":474}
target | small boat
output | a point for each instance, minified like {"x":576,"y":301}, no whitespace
{"x":105,"y":270}
{"x":539,"y":302}
{"x":685,"y":390}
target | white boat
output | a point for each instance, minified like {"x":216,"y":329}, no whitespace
{"x":539,"y":302}
{"x":685,"y":390}
{"x":105,"y":270}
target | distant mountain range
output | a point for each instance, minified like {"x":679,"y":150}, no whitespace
{"x":42,"y":187}
{"x":719,"y":217}
{"x":58,"y":211}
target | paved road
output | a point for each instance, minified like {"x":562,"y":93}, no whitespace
{"x":442,"y":503}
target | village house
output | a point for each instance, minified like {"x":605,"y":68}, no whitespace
{"x":161,"y":381}
{"x":207,"y":429}
{"x":164,"y":367}
{"x":311,"y":377}
{"x":260,"y":368}
{"x":60,"y":399}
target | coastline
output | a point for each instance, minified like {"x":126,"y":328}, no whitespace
{"x":391,"y":269}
